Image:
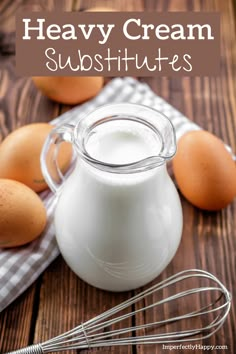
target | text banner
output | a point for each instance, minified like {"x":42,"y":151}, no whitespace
{"x":118,"y":44}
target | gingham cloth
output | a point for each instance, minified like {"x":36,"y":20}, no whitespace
{"x":20,"y":267}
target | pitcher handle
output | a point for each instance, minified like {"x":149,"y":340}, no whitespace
{"x":49,"y":163}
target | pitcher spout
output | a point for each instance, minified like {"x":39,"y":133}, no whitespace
{"x":132,"y":139}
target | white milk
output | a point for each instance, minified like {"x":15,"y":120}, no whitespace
{"x":122,"y":142}
{"x":119,"y":231}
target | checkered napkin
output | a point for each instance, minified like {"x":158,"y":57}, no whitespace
{"x":20,"y":267}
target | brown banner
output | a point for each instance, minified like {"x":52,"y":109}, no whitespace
{"x":118,"y":44}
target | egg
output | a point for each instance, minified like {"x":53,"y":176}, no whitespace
{"x":20,"y":155}
{"x":69,"y":89}
{"x":205,"y":171}
{"x":22,"y":214}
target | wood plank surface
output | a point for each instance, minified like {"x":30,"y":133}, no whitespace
{"x":59,"y":300}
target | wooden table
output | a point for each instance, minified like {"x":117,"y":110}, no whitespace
{"x":59,"y":300}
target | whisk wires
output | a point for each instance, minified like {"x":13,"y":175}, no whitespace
{"x":98,"y":332}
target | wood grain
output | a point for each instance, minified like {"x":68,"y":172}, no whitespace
{"x":58,"y":300}
{"x":16,"y":322}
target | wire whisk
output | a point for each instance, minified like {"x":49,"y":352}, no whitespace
{"x":210,"y":305}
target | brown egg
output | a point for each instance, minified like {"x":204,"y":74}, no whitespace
{"x":20,"y":155}
{"x":205,"y":171}
{"x":69,"y":89}
{"x":22,"y":214}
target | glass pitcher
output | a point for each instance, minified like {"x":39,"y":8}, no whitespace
{"x":118,"y":218}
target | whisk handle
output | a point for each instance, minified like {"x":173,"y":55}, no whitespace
{"x":32,"y":349}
